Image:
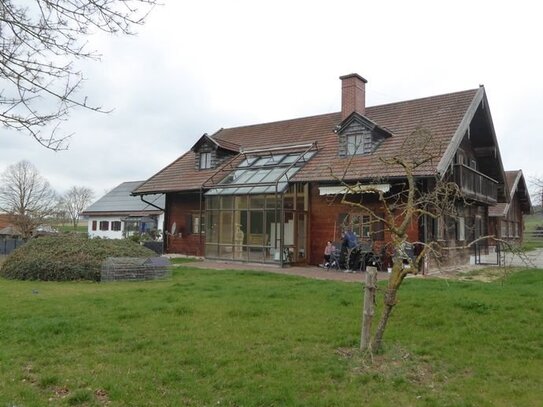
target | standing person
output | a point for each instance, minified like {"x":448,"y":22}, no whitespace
{"x":350,"y":243}
{"x":328,"y":250}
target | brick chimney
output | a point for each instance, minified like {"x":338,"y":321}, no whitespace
{"x":353,"y":94}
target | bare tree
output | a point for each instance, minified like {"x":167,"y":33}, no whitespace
{"x":26,"y":196}
{"x":74,"y":201}
{"x":537,"y":187}
{"x":41,"y":40}
{"x":396,"y":213}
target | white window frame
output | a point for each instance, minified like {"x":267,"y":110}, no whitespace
{"x":355,"y":144}
{"x":205,"y":161}
{"x":461,"y":228}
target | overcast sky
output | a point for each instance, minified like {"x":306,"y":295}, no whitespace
{"x":198,"y":66}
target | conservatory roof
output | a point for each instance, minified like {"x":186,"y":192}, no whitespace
{"x":262,"y":172}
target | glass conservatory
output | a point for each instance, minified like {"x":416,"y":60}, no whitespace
{"x":254,"y":212}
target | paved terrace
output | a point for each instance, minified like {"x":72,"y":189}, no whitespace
{"x":535,"y":258}
{"x":317,"y":273}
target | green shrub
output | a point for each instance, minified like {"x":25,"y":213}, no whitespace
{"x":60,"y":258}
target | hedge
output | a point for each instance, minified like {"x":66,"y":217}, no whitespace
{"x":61,"y":258}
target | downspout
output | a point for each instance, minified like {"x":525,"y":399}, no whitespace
{"x":200,"y":223}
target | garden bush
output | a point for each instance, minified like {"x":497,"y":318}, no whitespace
{"x":60,"y":258}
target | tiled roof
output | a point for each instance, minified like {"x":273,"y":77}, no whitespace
{"x":4,"y":220}
{"x":119,"y":201}
{"x":440,"y":115}
{"x":512,"y":184}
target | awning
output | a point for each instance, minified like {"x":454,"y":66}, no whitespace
{"x":354,"y":189}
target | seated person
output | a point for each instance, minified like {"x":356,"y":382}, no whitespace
{"x":328,"y":250}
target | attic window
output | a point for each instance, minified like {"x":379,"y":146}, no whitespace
{"x":355,"y":144}
{"x":205,"y":161}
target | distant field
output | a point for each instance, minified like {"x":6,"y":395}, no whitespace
{"x":531,"y":222}
{"x":82,"y":227}
{"x":227,"y":338}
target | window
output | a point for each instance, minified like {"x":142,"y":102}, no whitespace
{"x":196,"y":222}
{"x":94,"y":225}
{"x":116,"y":225}
{"x":460,"y":229}
{"x":104,"y":225}
{"x":363,"y":226}
{"x":205,"y":161}
{"x":354,"y":144}
{"x":504,"y":230}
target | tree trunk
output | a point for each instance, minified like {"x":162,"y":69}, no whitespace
{"x":369,"y":307}
{"x":390,"y":302}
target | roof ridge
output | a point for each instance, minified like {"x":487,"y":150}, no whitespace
{"x":275,"y":122}
{"x":424,"y":98}
{"x":218,"y":132}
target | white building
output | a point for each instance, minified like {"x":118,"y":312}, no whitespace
{"x":119,"y":214}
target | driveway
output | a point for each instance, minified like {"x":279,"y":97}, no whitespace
{"x":532,"y":258}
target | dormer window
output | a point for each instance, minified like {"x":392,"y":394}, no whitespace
{"x":355,"y":144}
{"x":205,"y":161}
{"x":358,"y":135}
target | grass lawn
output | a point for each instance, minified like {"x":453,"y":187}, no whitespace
{"x":254,"y":339}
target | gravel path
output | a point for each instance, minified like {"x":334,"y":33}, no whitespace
{"x":307,"y":271}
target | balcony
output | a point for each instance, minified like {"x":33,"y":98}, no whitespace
{"x":475,"y":185}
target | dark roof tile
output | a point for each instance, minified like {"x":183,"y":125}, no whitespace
{"x":440,"y":115}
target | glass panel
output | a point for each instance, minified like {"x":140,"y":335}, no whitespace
{"x":226,"y":252}
{"x":228,"y":191}
{"x":258,"y":190}
{"x":248,"y":162}
{"x":301,"y":237}
{"x":290,"y":158}
{"x":241,"y":202}
{"x":273,"y":175}
{"x":256,"y":202}
{"x":272,"y":202}
{"x":226,"y":227}
{"x":307,"y":156}
{"x":272,"y":229}
{"x":241,"y":225}
{"x":256,"y":254}
{"x":289,"y":229}
{"x":212,"y":202}
{"x":260,"y":175}
{"x":289,"y":174}
{"x":281,"y":186}
{"x":231,"y":177}
{"x":212,"y":250}
{"x":227,"y":202}
{"x":256,"y":225}
{"x":288,"y":203}
{"x":240,"y":253}
{"x":211,"y":227}
{"x":242,"y":190}
{"x":245,"y":177}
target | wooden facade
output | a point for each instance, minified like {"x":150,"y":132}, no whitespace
{"x":293,"y":217}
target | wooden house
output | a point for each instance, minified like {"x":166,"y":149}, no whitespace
{"x":507,"y":218}
{"x":268,"y":192}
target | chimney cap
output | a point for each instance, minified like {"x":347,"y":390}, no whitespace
{"x":353,"y":75}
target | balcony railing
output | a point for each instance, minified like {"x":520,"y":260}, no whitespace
{"x":475,"y":185}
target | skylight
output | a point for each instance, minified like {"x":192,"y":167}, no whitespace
{"x":263,"y":174}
